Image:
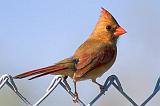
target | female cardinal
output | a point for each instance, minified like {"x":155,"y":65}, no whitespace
{"x":92,"y":59}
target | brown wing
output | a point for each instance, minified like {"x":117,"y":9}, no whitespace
{"x":93,"y":56}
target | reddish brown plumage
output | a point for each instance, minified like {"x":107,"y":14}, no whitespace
{"x":93,"y":58}
{"x":105,"y":12}
{"x":39,"y":71}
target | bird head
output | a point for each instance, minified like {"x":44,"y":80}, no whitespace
{"x":108,"y":26}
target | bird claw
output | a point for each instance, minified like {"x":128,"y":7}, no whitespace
{"x":75,"y":98}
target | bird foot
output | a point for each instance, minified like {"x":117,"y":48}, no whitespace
{"x":75,"y":97}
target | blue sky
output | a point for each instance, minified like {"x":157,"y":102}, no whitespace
{"x":38,"y":33}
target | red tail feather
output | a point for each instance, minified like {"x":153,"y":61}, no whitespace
{"x":46,"y":73}
{"x":53,"y":68}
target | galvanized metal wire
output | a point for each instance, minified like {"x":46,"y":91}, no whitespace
{"x":59,"y":80}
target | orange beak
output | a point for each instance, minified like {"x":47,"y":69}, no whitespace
{"x":119,"y":31}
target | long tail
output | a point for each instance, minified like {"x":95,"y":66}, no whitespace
{"x":68,"y":63}
{"x":40,"y":72}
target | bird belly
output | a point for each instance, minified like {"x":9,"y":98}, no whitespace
{"x":97,"y":72}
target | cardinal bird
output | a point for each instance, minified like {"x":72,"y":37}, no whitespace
{"x":92,"y":59}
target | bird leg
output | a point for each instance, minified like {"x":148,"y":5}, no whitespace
{"x":102,"y":88}
{"x":75,"y":96}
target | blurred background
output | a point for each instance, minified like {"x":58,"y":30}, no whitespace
{"x":38,"y":33}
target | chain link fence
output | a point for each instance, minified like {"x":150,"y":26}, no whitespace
{"x":59,"y":80}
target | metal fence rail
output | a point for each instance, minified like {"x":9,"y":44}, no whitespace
{"x":59,"y":80}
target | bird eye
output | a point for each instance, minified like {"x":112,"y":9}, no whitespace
{"x":108,"y":27}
